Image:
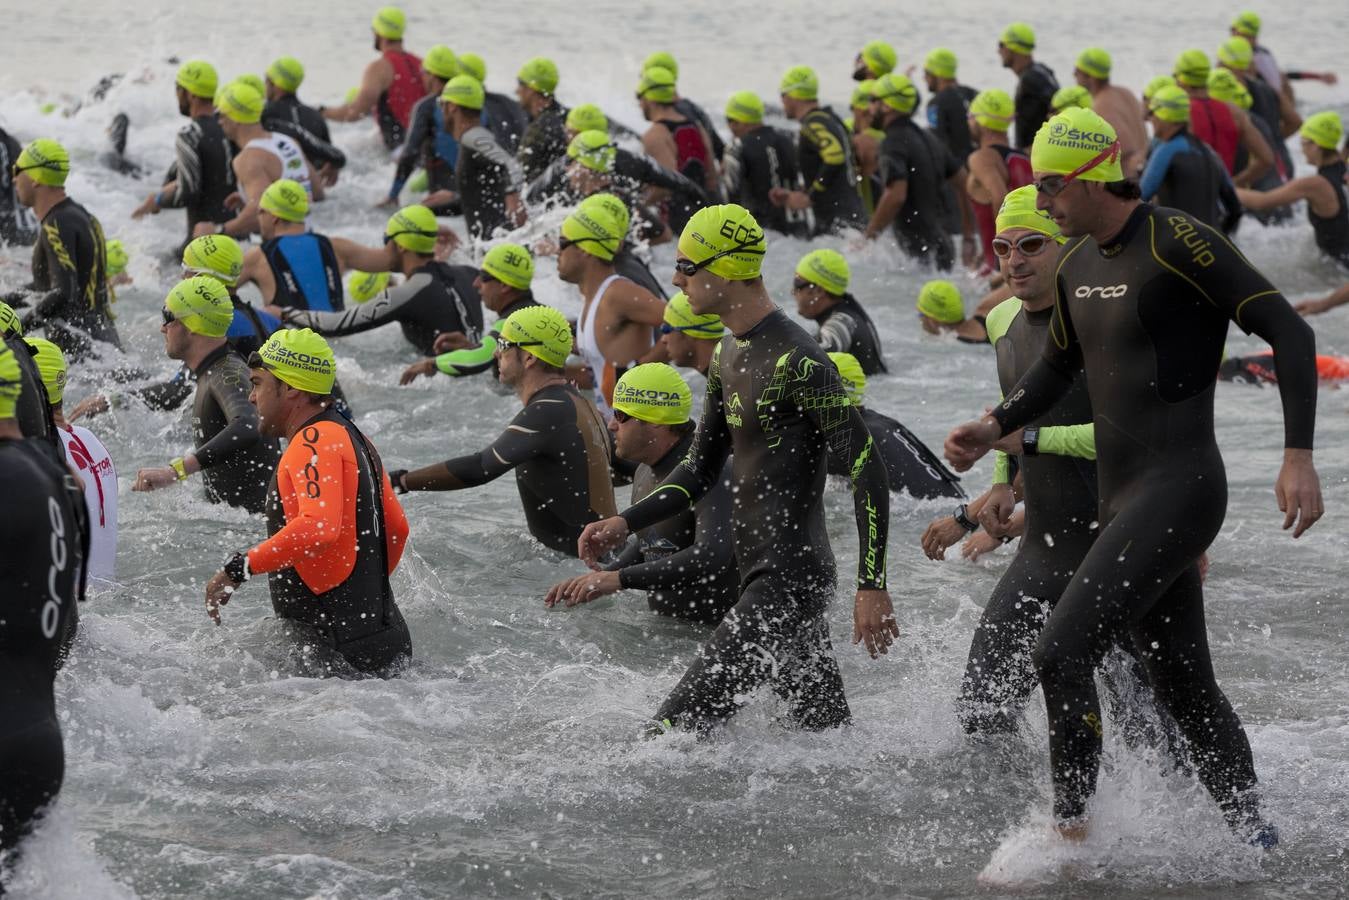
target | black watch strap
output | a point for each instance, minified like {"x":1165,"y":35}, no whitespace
{"x":962,"y":517}
{"x":1030,"y":441}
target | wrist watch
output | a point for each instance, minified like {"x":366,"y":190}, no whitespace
{"x":962,"y":517}
{"x":1030,"y":441}
{"x":179,"y":468}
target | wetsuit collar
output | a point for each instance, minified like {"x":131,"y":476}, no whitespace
{"x":211,"y":358}
{"x":665,"y":465}
{"x":777,"y":312}
{"x":1116,"y":244}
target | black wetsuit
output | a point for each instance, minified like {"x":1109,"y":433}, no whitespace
{"x":684,"y":563}
{"x":825,"y":154}
{"x":203,"y":171}
{"x":17,"y":225}
{"x":33,"y":411}
{"x":70,"y":274}
{"x":628,"y":264}
{"x":1035,"y":89}
{"x":506,"y":119}
{"x":1146,"y":318}
{"x":1185,"y":173}
{"x":435,"y":299}
{"x":755,"y":164}
{"x":306,"y":126}
{"x":948,"y":115}
{"x":41,"y":574}
{"x":484,"y":175}
{"x":429,"y":145}
{"x":845,"y":327}
{"x":305,"y":271}
{"x":775,"y":401}
{"x":909,"y":464}
{"x":559,"y":447}
{"x":1265,"y":110}
{"x":544,"y":140}
{"x":1332,"y":232}
{"x":915,"y":156}
{"x":1272,"y":178}
{"x":632,"y":172}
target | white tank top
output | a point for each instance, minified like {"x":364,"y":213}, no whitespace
{"x":92,"y":460}
{"x":586,"y":340}
{"x":293,"y":164}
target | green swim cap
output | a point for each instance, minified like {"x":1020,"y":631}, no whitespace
{"x":594,"y":150}
{"x":11,"y":382}
{"x":510,"y":264}
{"x":389,"y":23}
{"x":286,"y":199}
{"x":413,"y":228}
{"x":287,"y":73}
{"x":587,"y":117}
{"x":1324,"y":129}
{"x":255,"y":82}
{"x":655,"y":393}
{"x":1247,"y":24}
{"x":1018,"y":37}
{"x":879,"y":58}
{"x":217,"y":256}
{"x":657,"y":84}
{"x":1074,"y":138}
{"x":45,"y":161}
{"x":473,"y":64}
{"x":940,"y":63}
{"x":680,"y":316}
{"x":992,"y":109}
{"x":940,"y":300}
{"x":9,"y":321}
{"x":1191,"y":68}
{"x":746,"y":107}
{"x":825,"y":269}
{"x":465,"y":91}
{"x":202,"y":304}
{"x":441,"y":62}
{"x":1095,"y":62}
{"x":300,"y":358}
{"x":362,"y":287}
{"x":1072,"y":96}
{"x":51,"y":365}
{"x":862,"y":95}
{"x":598,"y":225}
{"x":540,"y":331}
{"x":800,"y":83}
{"x":539,"y":73}
{"x":730,"y":233}
{"x":1236,"y":53}
{"x":663,"y":60}
{"x":1018,"y":210}
{"x":851,"y":374}
{"x":115,"y":251}
{"x":1170,"y":103}
{"x":240,"y":102}
{"x":1224,"y":85}
{"x":896,"y":91}
{"x":1155,"y":83}
{"x":198,"y":78}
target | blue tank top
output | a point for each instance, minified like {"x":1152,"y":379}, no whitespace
{"x":447,"y":148}
{"x":306,"y":270}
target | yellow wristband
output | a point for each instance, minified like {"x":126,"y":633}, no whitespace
{"x":178,"y":467}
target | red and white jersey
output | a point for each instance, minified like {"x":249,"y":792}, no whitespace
{"x":90,"y":458}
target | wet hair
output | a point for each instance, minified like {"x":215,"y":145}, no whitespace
{"x":1125,"y":190}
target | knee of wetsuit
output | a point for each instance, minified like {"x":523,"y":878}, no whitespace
{"x":1056,"y":665}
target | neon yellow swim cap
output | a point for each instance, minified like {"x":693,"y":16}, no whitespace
{"x":1224,"y":85}
{"x":473,"y":64}
{"x":9,"y":321}
{"x":286,"y":199}
{"x":1191,"y":68}
{"x":655,"y":393}
{"x":413,"y":228}
{"x":662,"y":59}
{"x":1072,"y":96}
{"x":1170,"y":103}
{"x":587,"y":117}
{"x":441,"y":62}
{"x":1247,"y":24}
{"x":851,"y":374}
{"x":45,"y":161}
{"x":117,"y":257}
{"x":300,"y":358}
{"x":940,"y":300}
{"x":465,"y":91}
{"x":657,"y":85}
{"x":539,"y":73}
{"x":240,"y":102}
{"x":680,"y":316}
{"x":1077,"y":138}
{"x":362,"y":287}
{"x":287,"y":73}
{"x":51,"y":365}
{"x":598,"y":225}
{"x":202,"y":304}
{"x":729,"y":236}
{"x":1236,"y":53}
{"x":746,"y":107}
{"x":11,"y":382}
{"x":594,"y":150}
{"x":1018,"y":37}
{"x":800,"y":83}
{"x":198,"y":78}
{"x":879,"y":58}
{"x":389,"y":23}
{"x":540,"y":331}
{"x":1155,"y":83}
{"x":940,"y":63}
{"x":1095,"y":62}
{"x":1324,"y":129}
{"x":825,"y":269}
{"x":862,"y":95}
{"x":510,"y":264}
{"x":1018,"y":210}
{"x":217,"y":256}
{"x":255,"y":82}
{"x":896,"y":91}
{"x":992,"y":109}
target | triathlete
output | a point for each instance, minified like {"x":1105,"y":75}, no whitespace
{"x":335,"y":530}
{"x":557,"y":444}
{"x":434,"y":298}
{"x":941,"y":310}
{"x":758,"y":161}
{"x":1224,"y":85}
{"x":592,"y":159}
{"x":202,"y":175}
{"x":1325,"y":192}
{"x":487,"y":179}
{"x":995,"y":168}
{"x":1143,"y":301}
{"x":675,"y":142}
{"x":303,"y":124}
{"x":691,"y":339}
{"x":296,"y":267}
{"x":820,"y":288}
{"x":1116,"y":105}
{"x":390,"y":85}
{"x":775,"y":402}
{"x":909,"y":464}
{"x":1035,"y":85}
{"x":866,"y":145}
{"x":1073,"y":95}
{"x":32,"y":411}
{"x":1271,"y":110}
{"x":683,"y":105}
{"x":546,"y":137}
{"x":1247,"y":24}
{"x":824,"y":153}
{"x":877,"y":58}
{"x":17,"y":225}
{"x":504,"y":115}
{"x":1223,"y":126}
{"x":948,"y":111}
{"x":234,"y":458}
{"x":684,"y":563}
{"x":1183,"y":172}
{"x":430,"y":143}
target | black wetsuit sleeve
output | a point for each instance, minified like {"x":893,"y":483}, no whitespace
{"x":836,"y":334}
{"x":650,"y":172}
{"x":187,"y":169}
{"x":389,"y":306}
{"x":1227,"y":198}
{"x":630,"y":555}
{"x":57,"y":241}
{"x":167,"y":394}
{"x":1048,"y":378}
{"x":529,"y":435}
{"x":420,"y":130}
{"x":242,"y":431}
{"x":704,"y":559}
{"x":833,"y":154}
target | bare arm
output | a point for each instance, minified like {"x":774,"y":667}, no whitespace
{"x":1261,"y":154}
{"x":1286,"y":193}
{"x":375,"y":81}
{"x":891,"y":202}
{"x":351,"y":255}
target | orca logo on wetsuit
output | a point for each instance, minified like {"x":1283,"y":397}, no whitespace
{"x":51,"y":610}
{"x":1110,"y":292}
{"x":311,"y":469}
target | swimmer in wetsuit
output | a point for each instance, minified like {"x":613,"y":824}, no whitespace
{"x":557,"y":444}
{"x":775,"y":402}
{"x":429,"y":143}
{"x":820,"y":288}
{"x":676,"y":142}
{"x":545,"y":139}
{"x":487,"y":179}
{"x":504,"y":115}
{"x":684,"y":563}
{"x":303,"y":124}
{"x":1143,"y":299}
{"x":825,"y":155}
{"x":335,"y":530}
{"x":33,"y":411}
{"x":942,"y":311}
{"x":1182,"y":171}
{"x":760,"y":160}
{"x":1035,"y":82}
{"x":683,"y":105}
{"x":17,"y":225}
{"x":390,"y":85}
